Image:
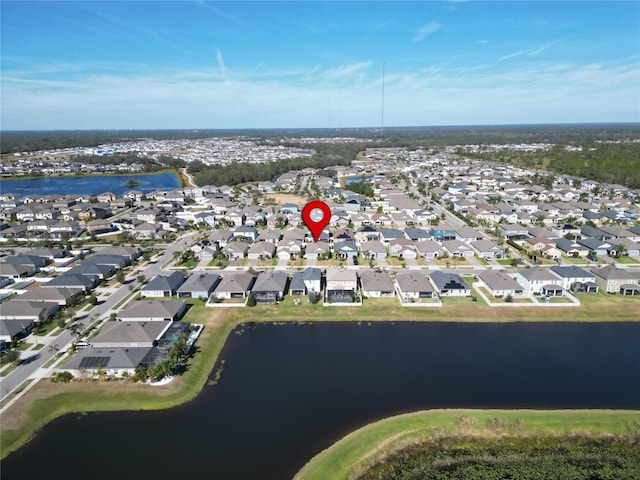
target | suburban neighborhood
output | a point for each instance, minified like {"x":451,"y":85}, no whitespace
{"x":435,"y":227}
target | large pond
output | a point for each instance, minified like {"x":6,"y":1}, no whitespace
{"x":90,"y":185}
{"x":287,"y":392}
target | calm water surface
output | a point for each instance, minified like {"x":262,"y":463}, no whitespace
{"x":287,"y":392}
{"x":90,"y":185}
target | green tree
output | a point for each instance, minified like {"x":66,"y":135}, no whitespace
{"x":251,"y":302}
{"x":120,"y":277}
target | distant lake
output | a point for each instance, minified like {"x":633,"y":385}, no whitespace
{"x":288,"y":392}
{"x":89,"y":185}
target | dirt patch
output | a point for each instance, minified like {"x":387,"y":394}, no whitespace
{"x":282,"y":198}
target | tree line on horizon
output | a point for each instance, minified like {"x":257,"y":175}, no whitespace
{"x":613,"y":163}
{"x":413,"y":137}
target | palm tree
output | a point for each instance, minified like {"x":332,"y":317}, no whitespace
{"x":100,"y":374}
{"x":75,"y":330}
{"x":53,"y":349}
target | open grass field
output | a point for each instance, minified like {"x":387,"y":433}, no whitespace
{"x":282,"y":198}
{"x":353,"y":454}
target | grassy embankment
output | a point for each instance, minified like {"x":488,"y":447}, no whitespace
{"x":47,"y":401}
{"x":355,"y":453}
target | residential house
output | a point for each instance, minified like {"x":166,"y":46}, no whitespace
{"x":50,"y":253}
{"x":467,"y":234}
{"x":132,"y":253}
{"x":235,"y":250}
{"x":316,"y":249}
{"x":345,"y":249}
{"x":34,"y":262}
{"x":373,"y":249}
{"x":376,"y":284}
{"x":16,"y":272}
{"x":449,"y":284}
{"x":270,"y":286}
{"x":597,"y":246}
{"x":289,"y":249}
{"x":613,"y":279}
{"x":129,"y":334}
{"x":417,"y":234}
{"x":487,"y":249}
{"x":147,"y":231}
{"x":198,"y":285}
{"x":110,"y":361}
{"x":30,"y":311}
{"x":539,"y":281}
{"x":153,"y":311}
{"x":99,"y":271}
{"x":442,"y":232}
{"x":13,"y":330}
{"x":246,"y":234}
{"x":430,"y":250}
{"x":388,"y":234}
{"x":220,"y":238}
{"x":500,"y":284}
{"x":413,"y":284}
{"x":270,"y":235}
{"x":424,"y":217}
{"x":62,"y":296}
{"x":83,"y":282}
{"x":306,"y":281}
{"x":261,"y":251}
{"x":513,"y":231}
{"x":116,"y":261}
{"x":571,"y":248}
{"x":342,"y":285}
{"x":163,"y":285}
{"x":367,"y":234}
{"x":289,"y":209}
{"x":402,"y":248}
{"x":235,"y":285}
{"x":457,"y":248}
{"x":575,"y":279}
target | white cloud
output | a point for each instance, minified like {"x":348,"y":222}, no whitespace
{"x":536,"y":92}
{"x":531,"y":52}
{"x":426,"y":30}
{"x":220,"y":61}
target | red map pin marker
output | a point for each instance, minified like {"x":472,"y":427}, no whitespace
{"x":315,"y":224}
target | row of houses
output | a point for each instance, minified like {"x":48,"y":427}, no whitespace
{"x":342,"y":285}
{"x":142,"y":335}
{"x":50,"y":280}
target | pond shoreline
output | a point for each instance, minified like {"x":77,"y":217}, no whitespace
{"x":54,"y":400}
{"x":122,"y":187}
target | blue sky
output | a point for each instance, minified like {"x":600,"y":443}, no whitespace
{"x":158,"y":64}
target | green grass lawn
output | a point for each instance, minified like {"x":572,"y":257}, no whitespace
{"x":627,"y":260}
{"x":361,"y":448}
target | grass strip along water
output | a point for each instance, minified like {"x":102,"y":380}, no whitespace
{"x":443,"y":444}
{"x":47,"y":401}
